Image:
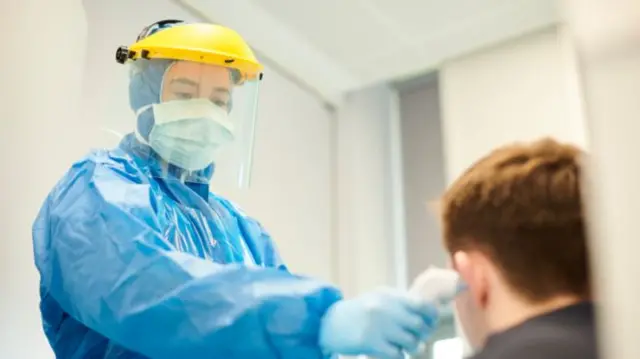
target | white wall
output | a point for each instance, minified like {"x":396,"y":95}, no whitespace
{"x":609,"y":49}
{"x":40,"y":133}
{"x":370,"y":227}
{"x":520,"y":90}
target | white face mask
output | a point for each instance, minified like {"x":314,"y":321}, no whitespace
{"x":188,"y":133}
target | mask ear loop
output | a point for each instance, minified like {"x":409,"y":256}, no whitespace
{"x":140,"y":111}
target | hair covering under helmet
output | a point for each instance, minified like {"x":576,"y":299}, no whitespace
{"x":146,"y":79}
{"x":144,"y":89}
{"x":227,"y":139}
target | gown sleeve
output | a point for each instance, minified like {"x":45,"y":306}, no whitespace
{"x":103,"y":257}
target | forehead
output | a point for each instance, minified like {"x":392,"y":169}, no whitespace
{"x":203,"y":74}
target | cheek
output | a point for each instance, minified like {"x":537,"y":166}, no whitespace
{"x":471,"y":319}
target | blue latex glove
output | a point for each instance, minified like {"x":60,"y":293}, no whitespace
{"x":382,"y":324}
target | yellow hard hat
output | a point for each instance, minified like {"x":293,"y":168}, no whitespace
{"x":198,"y":42}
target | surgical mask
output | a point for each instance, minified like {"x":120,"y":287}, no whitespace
{"x":189,"y":133}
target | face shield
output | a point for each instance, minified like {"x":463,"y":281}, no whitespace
{"x":202,"y":124}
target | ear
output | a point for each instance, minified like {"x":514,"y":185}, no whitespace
{"x":474,"y":272}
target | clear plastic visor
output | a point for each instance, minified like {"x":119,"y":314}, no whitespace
{"x":203,"y":128}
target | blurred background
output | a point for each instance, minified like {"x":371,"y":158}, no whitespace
{"x":369,"y":108}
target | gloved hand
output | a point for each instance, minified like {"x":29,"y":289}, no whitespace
{"x":383,"y":324}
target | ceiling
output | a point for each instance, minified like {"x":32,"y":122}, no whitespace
{"x":336,"y":46}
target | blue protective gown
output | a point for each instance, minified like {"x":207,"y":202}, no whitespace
{"x":133,"y":266}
